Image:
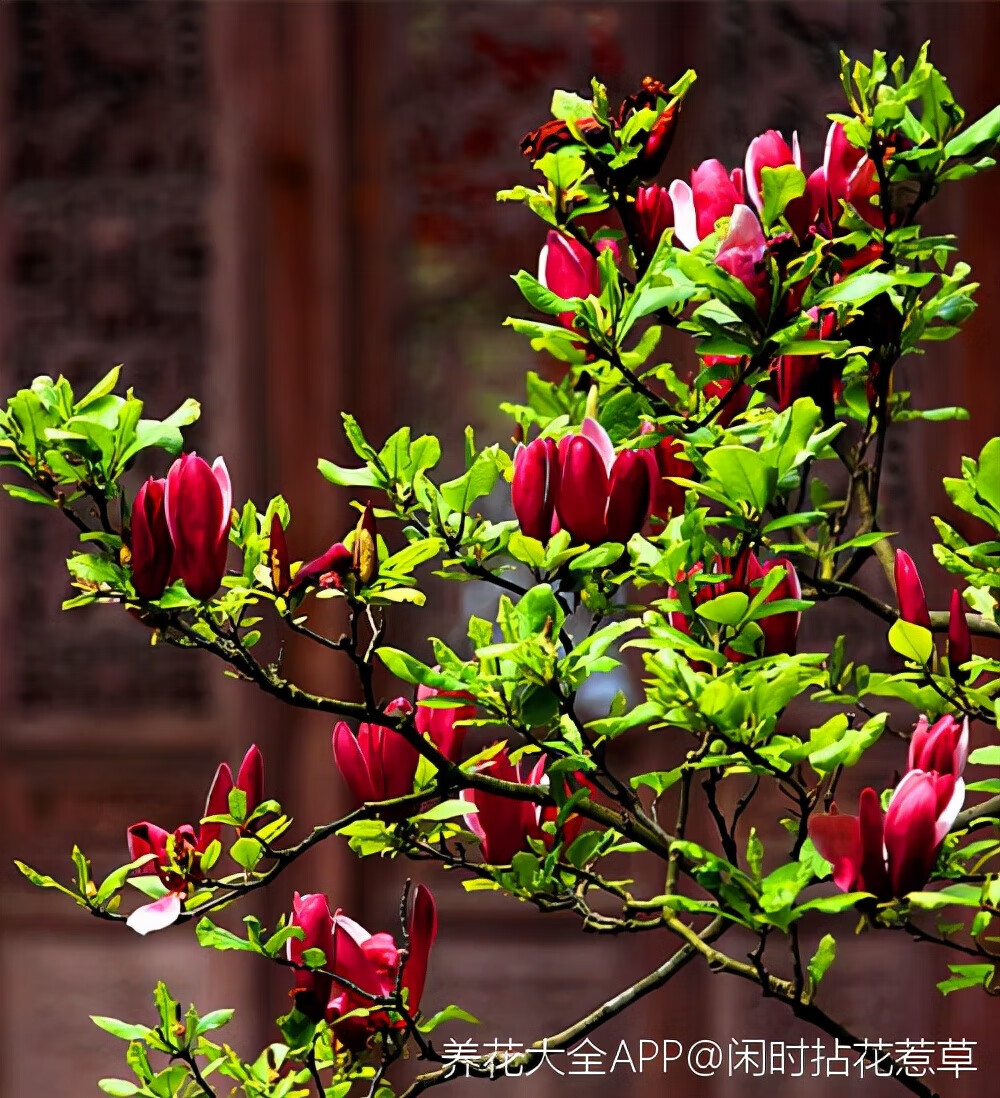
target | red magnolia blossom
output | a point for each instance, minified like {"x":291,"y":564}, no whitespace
{"x":568,"y":269}
{"x":652,"y":215}
{"x":601,"y":496}
{"x":665,"y":460}
{"x":910,"y":591}
{"x":327,"y":570}
{"x":712,"y":194}
{"x":152,"y":550}
{"x":780,"y":630}
{"x":741,"y":252}
{"x":379,"y":764}
{"x":368,"y":961}
{"x":198,"y":501}
{"x":959,"y":636}
{"x":504,"y":825}
{"x":656,"y":141}
{"x":850,"y":177}
{"x":890,"y":854}
{"x":794,"y":376}
{"x":942,"y":747}
{"x":439,"y":724}
{"x":534,"y":486}
{"x":177,"y":854}
{"x":721,"y":387}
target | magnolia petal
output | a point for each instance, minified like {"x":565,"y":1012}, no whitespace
{"x":161,"y":913}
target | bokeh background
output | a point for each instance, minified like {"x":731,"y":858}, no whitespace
{"x":288,"y":210}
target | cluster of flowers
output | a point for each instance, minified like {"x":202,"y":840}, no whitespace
{"x":380,"y":764}
{"x":582,"y":486}
{"x":734,"y":200}
{"x":892,"y":853}
{"x":180,"y":531}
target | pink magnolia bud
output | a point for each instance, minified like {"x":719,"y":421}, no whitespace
{"x":628,"y":496}
{"x":664,"y":460}
{"x":769,"y":150}
{"x":501,"y":824}
{"x":379,"y":764}
{"x":741,"y":253}
{"x":198,"y":500}
{"x":250,"y":778}
{"x":439,"y":725}
{"x":711,"y":195}
{"x":602,"y":496}
{"x":311,"y":913}
{"x":959,"y":637}
{"x":152,"y":549}
{"x":781,"y":630}
{"x":942,"y":746}
{"x":922,"y":809}
{"x":568,"y":269}
{"x":849,"y":176}
{"x":369,"y":962}
{"x":534,"y":486}
{"x":910,"y":591}
{"x":653,"y":214}
{"x":795,"y":376}
{"x":721,"y":388}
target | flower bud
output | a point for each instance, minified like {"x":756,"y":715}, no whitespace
{"x":277,"y":557}
{"x":439,"y":724}
{"x":568,"y":269}
{"x":198,"y":501}
{"x":152,"y":550}
{"x":910,"y":591}
{"x":653,"y":214}
{"x":365,"y":553}
{"x":741,"y":253}
{"x":534,"y":486}
{"x":712,"y":194}
{"x":959,"y":637}
{"x":665,"y":460}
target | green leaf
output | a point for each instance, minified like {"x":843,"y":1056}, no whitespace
{"x":118,"y":1088}
{"x":825,"y":955}
{"x":313,"y":958}
{"x":349,"y":478}
{"x":986,"y":756}
{"x":983,"y":132}
{"x":727,"y":609}
{"x":912,"y":642}
{"x":448,"y":810}
{"x":215,"y":1019}
{"x":215,"y":937}
{"x":964,"y":976}
{"x":246,"y":852}
{"x":450,"y":1013}
{"x":124,"y":1030}
{"x":742,"y":473}
{"x":779,"y":186}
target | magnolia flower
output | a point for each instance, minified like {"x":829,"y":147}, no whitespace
{"x":370,"y":962}
{"x":890,"y":854}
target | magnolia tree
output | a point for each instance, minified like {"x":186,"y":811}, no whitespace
{"x":691,"y":514}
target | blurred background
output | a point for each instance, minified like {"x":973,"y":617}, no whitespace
{"x":287,"y":210}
